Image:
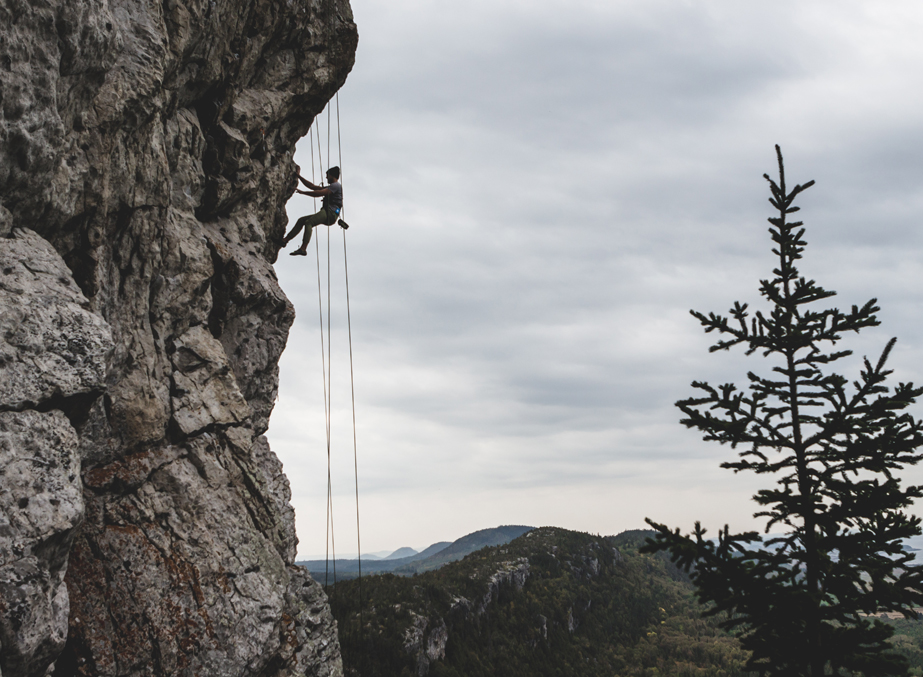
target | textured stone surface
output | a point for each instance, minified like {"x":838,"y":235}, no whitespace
{"x":41,"y":506}
{"x":193,"y":572}
{"x":426,"y":648}
{"x":509,"y":573}
{"x":52,"y":348}
{"x":151,"y":144}
{"x":53,"y":353}
{"x":204,"y":393}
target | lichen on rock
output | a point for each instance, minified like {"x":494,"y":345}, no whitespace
{"x":146,"y":155}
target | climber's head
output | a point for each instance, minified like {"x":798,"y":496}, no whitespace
{"x":333,"y":174}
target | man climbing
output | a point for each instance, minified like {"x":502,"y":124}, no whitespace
{"x":329,"y":211}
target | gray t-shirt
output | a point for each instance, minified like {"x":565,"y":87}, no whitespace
{"x":334,"y":201}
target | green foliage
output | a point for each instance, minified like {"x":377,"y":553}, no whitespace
{"x":908,"y":642}
{"x":589,"y":606}
{"x":800,"y":603}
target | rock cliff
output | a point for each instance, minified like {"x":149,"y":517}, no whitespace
{"x":146,"y":155}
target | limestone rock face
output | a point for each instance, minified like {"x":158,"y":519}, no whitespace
{"x":51,"y":347}
{"x":146,"y":155}
{"x":42,"y":506}
{"x":53,"y":354}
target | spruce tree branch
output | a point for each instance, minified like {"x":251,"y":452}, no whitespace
{"x":871,"y":379}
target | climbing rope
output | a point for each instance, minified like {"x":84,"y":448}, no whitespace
{"x":327,"y":397}
{"x":326,"y":356}
{"x":311,"y":139}
{"x":326,"y":369}
{"x":352,"y":380}
{"x":345,"y":226}
{"x":329,"y":414}
{"x":320,"y":159}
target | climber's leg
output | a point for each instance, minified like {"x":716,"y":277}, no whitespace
{"x":299,"y":224}
{"x":308,"y":223}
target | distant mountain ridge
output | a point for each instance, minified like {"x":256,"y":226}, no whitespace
{"x":402,"y":553}
{"x":428,"y":559}
{"x":465,"y":545}
{"x":433,"y":549}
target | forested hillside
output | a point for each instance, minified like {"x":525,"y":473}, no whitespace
{"x":552,"y":602}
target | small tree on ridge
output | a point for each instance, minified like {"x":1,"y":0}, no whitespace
{"x":801,"y":602}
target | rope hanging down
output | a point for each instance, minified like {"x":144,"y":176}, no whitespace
{"x":352,"y":380}
{"x":325,"y":371}
{"x":326,"y":356}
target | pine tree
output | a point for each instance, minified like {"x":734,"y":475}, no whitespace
{"x":801,"y":602}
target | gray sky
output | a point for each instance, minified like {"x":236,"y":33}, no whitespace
{"x":538,"y":193}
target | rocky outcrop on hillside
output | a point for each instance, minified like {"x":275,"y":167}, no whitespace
{"x":146,"y":155}
{"x":512,"y":574}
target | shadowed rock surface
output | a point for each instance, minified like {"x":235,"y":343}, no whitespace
{"x":146,"y":155}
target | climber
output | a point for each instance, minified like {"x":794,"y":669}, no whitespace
{"x":328,"y":214}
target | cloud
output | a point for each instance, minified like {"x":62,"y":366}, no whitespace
{"x":538,"y":194}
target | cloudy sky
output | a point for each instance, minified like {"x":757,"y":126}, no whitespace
{"x":538,"y":192}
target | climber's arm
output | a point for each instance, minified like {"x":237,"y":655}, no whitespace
{"x":308,"y":183}
{"x":319,"y":192}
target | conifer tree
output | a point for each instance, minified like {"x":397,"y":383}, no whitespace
{"x":802,"y":601}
